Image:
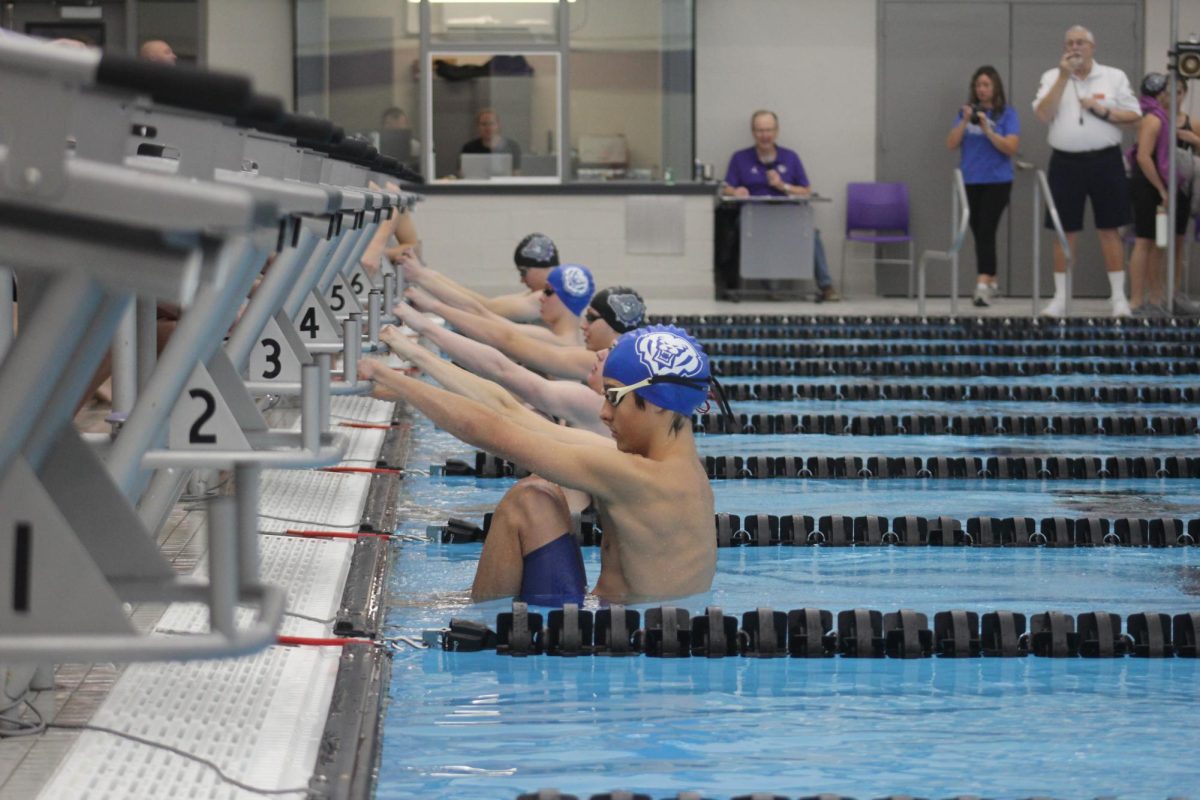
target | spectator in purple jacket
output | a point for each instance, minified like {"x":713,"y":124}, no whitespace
{"x":767,"y":169}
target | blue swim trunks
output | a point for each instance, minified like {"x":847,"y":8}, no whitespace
{"x":553,"y":574}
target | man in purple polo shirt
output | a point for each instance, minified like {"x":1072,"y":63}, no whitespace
{"x":766,"y":169}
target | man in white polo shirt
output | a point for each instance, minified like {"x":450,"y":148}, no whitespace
{"x":1084,"y":102}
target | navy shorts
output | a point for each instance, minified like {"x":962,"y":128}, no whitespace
{"x":1098,"y":175}
{"x":553,"y":574}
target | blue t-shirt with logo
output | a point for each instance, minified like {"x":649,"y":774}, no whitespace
{"x":981,"y":161}
{"x":746,"y":170}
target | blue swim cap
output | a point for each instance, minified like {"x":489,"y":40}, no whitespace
{"x":574,"y":286}
{"x":666,"y":351}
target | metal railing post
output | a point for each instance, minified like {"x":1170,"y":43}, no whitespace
{"x":958,"y":232}
{"x":1037,"y":246}
{"x":1043,"y":186}
{"x":955,"y":211}
{"x":124,"y":363}
{"x":6,"y":310}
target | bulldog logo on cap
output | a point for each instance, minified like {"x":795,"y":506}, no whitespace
{"x":627,"y":308}
{"x":538,"y":248}
{"x":665,"y":353}
{"x":575,"y":281}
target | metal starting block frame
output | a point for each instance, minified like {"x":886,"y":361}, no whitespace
{"x":190,"y":221}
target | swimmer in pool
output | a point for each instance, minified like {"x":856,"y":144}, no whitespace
{"x":611,"y":312}
{"x":569,"y":288}
{"x":535,"y":256}
{"x":576,"y":404}
{"x":580,"y":401}
{"x":653,"y":499}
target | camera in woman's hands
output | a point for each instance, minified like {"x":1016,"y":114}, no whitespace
{"x":977,"y":112}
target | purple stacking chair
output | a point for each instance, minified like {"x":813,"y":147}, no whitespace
{"x":877,"y":213}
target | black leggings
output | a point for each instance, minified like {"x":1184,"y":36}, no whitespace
{"x":987,"y":202}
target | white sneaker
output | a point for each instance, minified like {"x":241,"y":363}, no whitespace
{"x":993,"y":290}
{"x":980,"y":298}
{"x":1056,"y":308}
{"x":1120,"y":307}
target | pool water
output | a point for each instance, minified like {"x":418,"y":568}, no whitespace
{"x":480,"y":725}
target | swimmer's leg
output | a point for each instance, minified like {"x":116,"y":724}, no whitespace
{"x":533,"y":513}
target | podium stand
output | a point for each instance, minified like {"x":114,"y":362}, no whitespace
{"x":775,"y":247}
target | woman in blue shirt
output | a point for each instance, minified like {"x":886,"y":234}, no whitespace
{"x":988,"y":131}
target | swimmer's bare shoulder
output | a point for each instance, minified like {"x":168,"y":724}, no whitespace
{"x":664,"y":534}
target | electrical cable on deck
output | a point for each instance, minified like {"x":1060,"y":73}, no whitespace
{"x":43,"y":725}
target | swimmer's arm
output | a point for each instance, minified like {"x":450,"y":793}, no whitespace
{"x":479,"y":424}
{"x":572,"y":362}
{"x":489,"y":328}
{"x":400,"y":227}
{"x":404,"y":231}
{"x":404,"y":228}
{"x":371,"y":257}
{"x":444,"y":289}
{"x":454,"y":378}
{"x":574,"y":402}
{"x":518,"y":307}
{"x":571,"y":401}
{"x":568,"y":399}
{"x":595,"y":467}
{"x":496,"y":330}
{"x":511,"y":339}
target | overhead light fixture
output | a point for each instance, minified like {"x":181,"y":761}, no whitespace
{"x":481,"y":2}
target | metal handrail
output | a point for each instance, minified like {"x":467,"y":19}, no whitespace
{"x":960,"y":210}
{"x":1041,"y":190}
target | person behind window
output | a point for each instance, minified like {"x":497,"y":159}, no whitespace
{"x":988,"y":131}
{"x":394,"y":119}
{"x":158,"y":51}
{"x":489,"y":139}
{"x":399,"y":143}
{"x":767,"y":169}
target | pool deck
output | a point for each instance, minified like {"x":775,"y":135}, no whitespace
{"x":303,"y":717}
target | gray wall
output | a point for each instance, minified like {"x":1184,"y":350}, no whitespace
{"x":255,"y":38}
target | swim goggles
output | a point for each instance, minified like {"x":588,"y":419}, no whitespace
{"x":616,"y":394}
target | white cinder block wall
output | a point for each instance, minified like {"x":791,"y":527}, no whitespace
{"x":472,"y":238}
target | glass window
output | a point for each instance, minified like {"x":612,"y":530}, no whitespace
{"x":631,"y":89}
{"x":172,"y":21}
{"x":495,"y":115}
{"x":357,"y":64}
{"x":495,"y":76}
{"x":512,"y":22}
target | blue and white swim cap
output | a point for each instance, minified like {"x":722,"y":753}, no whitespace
{"x":662,"y":351}
{"x":574,"y":286}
